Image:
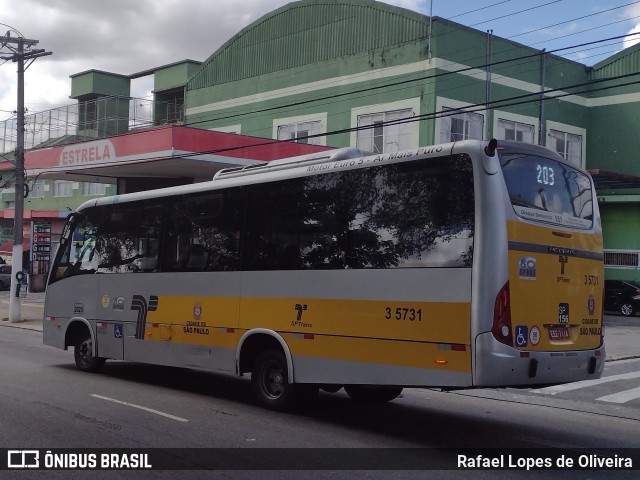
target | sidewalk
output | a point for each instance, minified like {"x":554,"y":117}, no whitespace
{"x":621,"y":341}
{"x":32,"y":311}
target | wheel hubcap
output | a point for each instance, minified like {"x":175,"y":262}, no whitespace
{"x":85,"y":351}
{"x":273,"y":381}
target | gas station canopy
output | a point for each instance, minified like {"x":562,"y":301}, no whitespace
{"x":164,"y":152}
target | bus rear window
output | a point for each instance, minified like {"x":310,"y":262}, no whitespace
{"x":548,"y":191}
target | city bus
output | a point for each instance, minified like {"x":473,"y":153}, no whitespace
{"x":462,"y":265}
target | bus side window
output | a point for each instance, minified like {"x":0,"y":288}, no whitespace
{"x":129,"y":237}
{"x":417,"y":214}
{"x":295,"y":225}
{"x":204,"y":233}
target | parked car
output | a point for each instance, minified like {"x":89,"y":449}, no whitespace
{"x":5,"y":277}
{"x":622,"y":296}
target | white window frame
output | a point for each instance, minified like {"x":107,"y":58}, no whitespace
{"x":314,"y":117}
{"x":56,"y":188}
{"x":443,"y":103}
{"x":228,"y":129}
{"x":514,"y":117}
{"x":411,"y":130}
{"x":571,"y":129}
{"x":90,"y":189}
{"x":38,"y":189}
{"x":630,"y":258}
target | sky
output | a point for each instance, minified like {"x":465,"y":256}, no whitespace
{"x":126,"y":37}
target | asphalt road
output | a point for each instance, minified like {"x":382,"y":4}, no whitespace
{"x":46,"y":403}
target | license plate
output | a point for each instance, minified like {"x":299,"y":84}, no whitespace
{"x":558,"y":333}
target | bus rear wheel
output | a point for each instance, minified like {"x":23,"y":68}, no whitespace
{"x":83,"y":354}
{"x":369,"y":394}
{"x":271,"y":387}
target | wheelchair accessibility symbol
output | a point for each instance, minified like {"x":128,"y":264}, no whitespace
{"x":117,"y":330}
{"x":521,"y":335}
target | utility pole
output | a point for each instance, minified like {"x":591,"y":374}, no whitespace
{"x":20,"y":51}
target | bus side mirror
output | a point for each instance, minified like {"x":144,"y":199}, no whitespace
{"x":490,"y":149}
{"x":490,"y":163}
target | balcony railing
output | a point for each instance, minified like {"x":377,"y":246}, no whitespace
{"x":99,"y":118}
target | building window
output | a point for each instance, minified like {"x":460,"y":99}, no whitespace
{"x":621,"y":258}
{"x":37,"y":189}
{"x":568,"y":145}
{"x":515,"y":131}
{"x":88,"y":115}
{"x":381,"y":137}
{"x":300,"y":131}
{"x":461,"y":126}
{"x":62,"y":188}
{"x":90,"y":188}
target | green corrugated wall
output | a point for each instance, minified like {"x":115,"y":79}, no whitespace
{"x":303,"y":33}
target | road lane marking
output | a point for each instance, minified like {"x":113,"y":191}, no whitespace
{"x":585,"y":383}
{"x":621,"y":397}
{"x":147,"y":409}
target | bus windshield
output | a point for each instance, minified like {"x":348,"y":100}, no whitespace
{"x":545,"y":190}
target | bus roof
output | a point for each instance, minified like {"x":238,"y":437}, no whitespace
{"x":239,"y":176}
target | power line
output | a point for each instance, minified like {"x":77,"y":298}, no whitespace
{"x":586,"y":30}
{"x":516,"y":13}
{"x":478,"y":9}
{"x":527,"y":61}
{"x":505,"y":64}
{"x":574,"y":19}
{"x":403,"y":82}
{"x":390,"y":85}
{"x":453,"y":30}
{"x":505,"y":102}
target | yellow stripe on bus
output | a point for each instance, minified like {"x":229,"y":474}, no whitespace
{"x":414,"y":334}
{"x":525,"y":232}
{"x":398,"y":353}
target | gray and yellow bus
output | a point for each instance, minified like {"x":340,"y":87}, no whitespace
{"x":456,"y":266}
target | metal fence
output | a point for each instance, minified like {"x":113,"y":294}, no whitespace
{"x":99,"y":118}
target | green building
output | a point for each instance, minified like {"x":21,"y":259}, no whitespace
{"x":329,"y":67}
{"x":365,"y":74}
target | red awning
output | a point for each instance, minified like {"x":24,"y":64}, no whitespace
{"x":7,"y":247}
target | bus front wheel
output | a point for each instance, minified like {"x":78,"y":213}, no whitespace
{"x":369,"y":394}
{"x":83,"y":354}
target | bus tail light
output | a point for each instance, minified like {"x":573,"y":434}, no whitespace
{"x":501,"y":328}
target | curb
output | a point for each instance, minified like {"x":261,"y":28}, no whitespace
{"x":626,"y":357}
{"x":21,"y":327}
